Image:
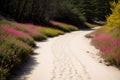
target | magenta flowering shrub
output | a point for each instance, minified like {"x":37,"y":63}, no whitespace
{"x":109,"y":47}
{"x":28,"y":28}
{"x":58,"y":23}
{"x":13,"y":51}
{"x":18,"y":35}
{"x":14,"y":31}
{"x":31,"y":30}
{"x":55,"y":22}
{"x":16,"y":39}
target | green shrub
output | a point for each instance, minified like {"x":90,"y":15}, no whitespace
{"x":29,"y":29}
{"x":10,"y":24}
{"x":8,"y":31}
{"x":66,"y":28}
{"x":50,"y":32}
{"x":3,"y":73}
{"x":12,"y":53}
{"x":40,"y":37}
{"x":91,"y":25}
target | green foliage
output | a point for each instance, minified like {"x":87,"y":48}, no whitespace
{"x":29,"y":29}
{"x":69,"y":11}
{"x":50,"y":32}
{"x":29,"y":41}
{"x":91,"y":25}
{"x":3,"y":73}
{"x":115,"y":33}
{"x":12,"y":53}
{"x":24,"y":37}
{"x":8,"y":23}
{"x":40,"y":37}
{"x":64,"y":27}
{"x":86,"y":10}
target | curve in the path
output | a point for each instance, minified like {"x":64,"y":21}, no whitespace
{"x":67,"y":57}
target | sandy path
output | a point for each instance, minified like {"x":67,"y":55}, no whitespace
{"x":67,"y":57}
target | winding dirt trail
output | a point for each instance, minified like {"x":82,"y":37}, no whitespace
{"x":67,"y":57}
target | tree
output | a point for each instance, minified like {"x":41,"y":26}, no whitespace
{"x":72,"y":11}
{"x":113,"y":21}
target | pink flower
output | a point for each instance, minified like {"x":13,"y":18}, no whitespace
{"x":57,"y":23}
{"x":28,"y":28}
{"x":14,"y":31}
{"x":108,"y":45}
{"x":17,"y":33}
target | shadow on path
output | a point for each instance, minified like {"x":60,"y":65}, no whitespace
{"x":25,"y":68}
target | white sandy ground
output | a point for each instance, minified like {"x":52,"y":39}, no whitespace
{"x":67,"y":57}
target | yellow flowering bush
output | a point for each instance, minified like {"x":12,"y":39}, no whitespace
{"x":113,"y":21}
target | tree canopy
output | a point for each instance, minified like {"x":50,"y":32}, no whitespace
{"x":71,"y":11}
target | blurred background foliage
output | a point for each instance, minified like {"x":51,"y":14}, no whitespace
{"x":75,"y":12}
